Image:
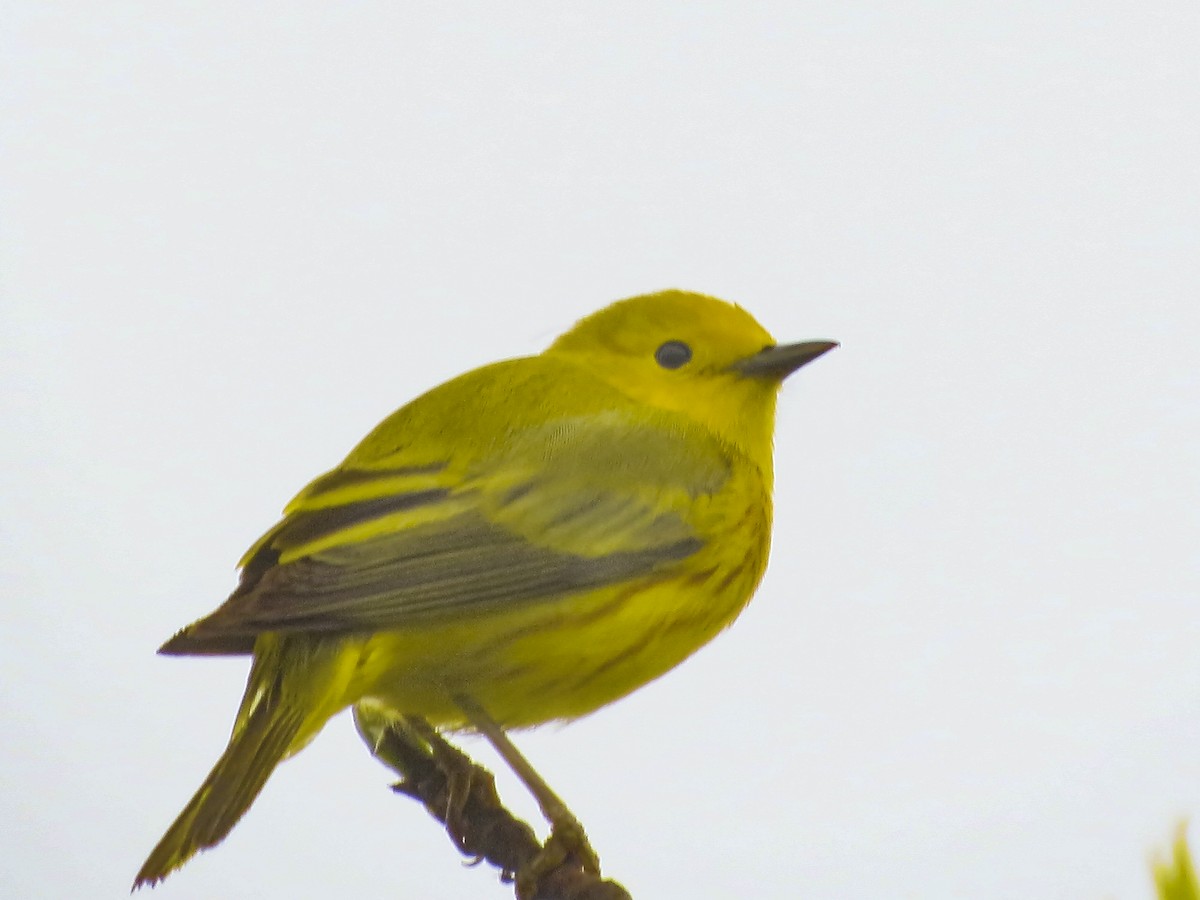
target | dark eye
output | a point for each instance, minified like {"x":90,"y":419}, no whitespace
{"x":673,"y":354}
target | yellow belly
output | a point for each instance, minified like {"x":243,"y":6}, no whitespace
{"x":562,"y":658}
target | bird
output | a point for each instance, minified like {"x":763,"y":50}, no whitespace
{"x":525,"y":543}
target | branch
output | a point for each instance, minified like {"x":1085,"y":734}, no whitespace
{"x":462,"y":796}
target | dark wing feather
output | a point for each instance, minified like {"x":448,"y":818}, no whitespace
{"x":462,"y":567}
{"x":504,"y":541}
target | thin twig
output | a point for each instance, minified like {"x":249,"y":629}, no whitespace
{"x":466,"y":802}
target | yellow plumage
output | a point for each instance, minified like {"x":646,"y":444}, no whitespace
{"x":535,"y":539}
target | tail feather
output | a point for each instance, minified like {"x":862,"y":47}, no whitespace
{"x":257,"y":746}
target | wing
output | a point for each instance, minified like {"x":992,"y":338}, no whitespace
{"x":563,"y":508}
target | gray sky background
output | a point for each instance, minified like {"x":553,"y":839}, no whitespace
{"x":235,"y":236}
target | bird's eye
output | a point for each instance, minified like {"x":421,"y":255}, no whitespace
{"x":673,"y":354}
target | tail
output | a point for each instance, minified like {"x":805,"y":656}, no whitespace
{"x":265,"y":731}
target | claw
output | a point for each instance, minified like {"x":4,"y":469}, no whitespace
{"x":567,"y":841}
{"x":459,"y":772}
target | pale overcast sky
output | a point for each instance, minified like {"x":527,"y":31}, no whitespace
{"x":235,"y":236}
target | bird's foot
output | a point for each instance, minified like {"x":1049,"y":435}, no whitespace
{"x":460,"y":772}
{"x":567,"y":841}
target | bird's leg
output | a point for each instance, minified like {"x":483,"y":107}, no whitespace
{"x":459,"y":772}
{"x":567,"y":837}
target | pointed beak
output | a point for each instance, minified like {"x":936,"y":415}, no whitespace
{"x":780,"y":361}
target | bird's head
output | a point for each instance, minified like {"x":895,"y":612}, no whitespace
{"x":692,"y":354}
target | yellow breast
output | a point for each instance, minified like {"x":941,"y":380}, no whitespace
{"x":568,"y":656}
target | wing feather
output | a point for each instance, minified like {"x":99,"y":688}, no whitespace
{"x":526,"y":528}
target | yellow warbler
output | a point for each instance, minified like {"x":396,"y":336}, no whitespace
{"x":527,"y":542}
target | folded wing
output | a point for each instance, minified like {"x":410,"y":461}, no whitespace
{"x":599,"y":502}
